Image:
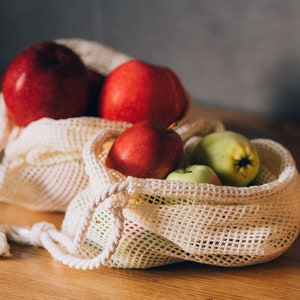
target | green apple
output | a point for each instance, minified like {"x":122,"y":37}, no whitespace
{"x":196,"y":174}
{"x":231,"y":155}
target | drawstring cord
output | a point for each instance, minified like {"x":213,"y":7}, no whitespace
{"x":61,"y":246}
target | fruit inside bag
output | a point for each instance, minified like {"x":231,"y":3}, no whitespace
{"x":130,"y":222}
{"x":166,"y":222}
{"x":41,"y":164}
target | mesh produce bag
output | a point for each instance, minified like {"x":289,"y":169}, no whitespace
{"x":41,"y":166}
{"x":129,"y":222}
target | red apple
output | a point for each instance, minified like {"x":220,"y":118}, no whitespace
{"x":45,"y":80}
{"x":147,"y":149}
{"x":96,"y":81}
{"x":137,"y":91}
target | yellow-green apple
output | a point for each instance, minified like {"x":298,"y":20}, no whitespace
{"x":96,"y":80}
{"x":147,"y":149}
{"x":196,"y":174}
{"x":231,"y":155}
{"x":45,"y":80}
{"x":137,"y":91}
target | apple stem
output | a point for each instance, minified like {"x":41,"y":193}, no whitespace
{"x":172,"y":126}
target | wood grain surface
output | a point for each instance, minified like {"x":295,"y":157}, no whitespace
{"x":33,"y":274}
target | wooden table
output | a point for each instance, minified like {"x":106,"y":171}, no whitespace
{"x":33,"y":274}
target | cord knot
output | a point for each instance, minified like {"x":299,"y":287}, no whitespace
{"x":36,"y":232}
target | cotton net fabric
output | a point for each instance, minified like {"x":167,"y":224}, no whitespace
{"x":41,"y":165}
{"x":128,"y":222}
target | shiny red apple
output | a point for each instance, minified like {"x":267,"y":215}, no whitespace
{"x":45,"y":80}
{"x":137,"y":91}
{"x":147,"y":149}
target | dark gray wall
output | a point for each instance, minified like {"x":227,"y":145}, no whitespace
{"x":232,"y":53}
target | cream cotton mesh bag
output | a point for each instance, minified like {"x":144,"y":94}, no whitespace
{"x":41,"y":166}
{"x":129,"y":222}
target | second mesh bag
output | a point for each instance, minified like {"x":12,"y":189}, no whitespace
{"x":129,"y":222}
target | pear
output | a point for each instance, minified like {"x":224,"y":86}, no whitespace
{"x":231,"y":155}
